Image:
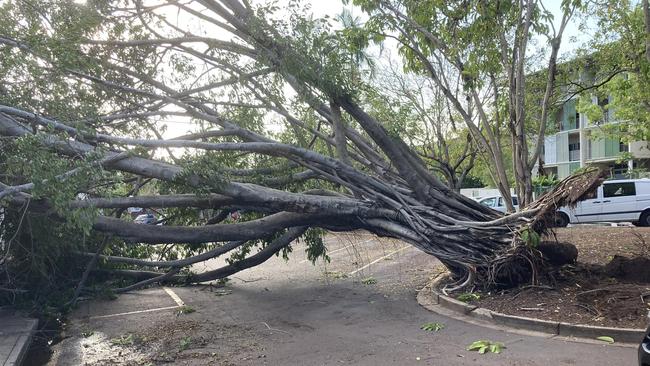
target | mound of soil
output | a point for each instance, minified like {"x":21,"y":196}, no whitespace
{"x":635,"y":269}
{"x":559,"y":253}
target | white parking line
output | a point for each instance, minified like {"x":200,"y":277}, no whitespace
{"x":340,"y":249}
{"x":377,"y":260}
{"x":133,"y":312}
{"x":174,"y":297}
{"x":172,"y":294}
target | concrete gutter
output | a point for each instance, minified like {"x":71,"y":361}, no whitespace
{"x":16,"y":334}
{"x":433,"y":300}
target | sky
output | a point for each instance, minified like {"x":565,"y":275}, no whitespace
{"x":333,"y":7}
{"x":572,"y":40}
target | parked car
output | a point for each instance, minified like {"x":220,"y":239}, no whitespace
{"x":496,"y":202}
{"x":620,"y":200}
{"x":644,"y":350}
{"x":147,"y":219}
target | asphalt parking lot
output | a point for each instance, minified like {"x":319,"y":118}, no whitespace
{"x":360,"y":309}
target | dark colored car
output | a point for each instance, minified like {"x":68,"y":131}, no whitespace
{"x":644,"y":350}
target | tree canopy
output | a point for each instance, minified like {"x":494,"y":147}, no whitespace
{"x":88,"y":86}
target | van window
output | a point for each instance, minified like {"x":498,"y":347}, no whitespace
{"x":514,"y":201}
{"x":619,"y":189}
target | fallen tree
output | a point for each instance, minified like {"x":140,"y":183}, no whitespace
{"x":336,"y":167}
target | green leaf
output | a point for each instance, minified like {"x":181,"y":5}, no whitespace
{"x":185,"y":343}
{"x":607,"y":339}
{"x":485,"y":346}
{"x":432,"y":327}
{"x":476,"y":345}
{"x":496,"y":347}
{"x":530,"y":237}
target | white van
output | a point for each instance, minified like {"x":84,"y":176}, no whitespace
{"x":615,"y":201}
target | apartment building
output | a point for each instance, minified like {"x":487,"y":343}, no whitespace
{"x":578,"y":143}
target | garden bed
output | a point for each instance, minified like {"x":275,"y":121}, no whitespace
{"x":585,"y":292}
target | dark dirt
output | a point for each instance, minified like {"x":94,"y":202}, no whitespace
{"x":635,"y":269}
{"x":183,"y":340}
{"x":589,"y":291}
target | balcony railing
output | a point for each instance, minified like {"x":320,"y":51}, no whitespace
{"x":574,"y":155}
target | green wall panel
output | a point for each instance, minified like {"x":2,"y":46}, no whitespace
{"x":562,"y":147}
{"x":597,"y":149}
{"x":569,"y":115}
{"x":612,"y":147}
{"x":563,"y":171}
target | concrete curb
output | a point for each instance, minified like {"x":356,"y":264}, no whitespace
{"x":455,"y":305}
{"x":432,"y":300}
{"x":15,"y":338}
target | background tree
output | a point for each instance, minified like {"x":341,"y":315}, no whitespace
{"x":486,"y":45}
{"x":615,"y":68}
{"x":431,"y":125}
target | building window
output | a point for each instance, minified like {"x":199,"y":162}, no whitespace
{"x":623,"y":147}
{"x":574,"y":151}
{"x":603,"y":103}
{"x":619,"y":171}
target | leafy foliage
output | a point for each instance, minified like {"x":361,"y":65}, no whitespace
{"x":530,"y":237}
{"x":316,"y":248}
{"x":620,"y":71}
{"x":432,"y":327}
{"x":545,"y":180}
{"x":185,"y":310}
{"x":468,"y":297}
{"x":485,"y":346}
{"x":185,"y":343}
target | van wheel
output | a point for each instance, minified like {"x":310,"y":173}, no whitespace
{"x":561,"y":219}
{"x":644,"y":220}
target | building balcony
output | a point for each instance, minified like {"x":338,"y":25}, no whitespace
{"x":574,"y":155}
